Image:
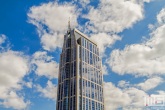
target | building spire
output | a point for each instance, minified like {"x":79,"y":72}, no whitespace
{"x":69,"y":25}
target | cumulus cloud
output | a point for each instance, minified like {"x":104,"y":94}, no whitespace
{"x":15,"y":101}
{"x":150,"y":83}
{"x":13,"y":67}
{"x":112,"y":17}
{"x":104,"y":40}
{"x":50,"y":91}
{"x":2,"y":38}
{"x":161,"y":16}
{"x":147,"y":1}
{"x":45,"y":65}
{"x":114,"y":97}
{"x":51,"y":20}
{"x":52,"y":24}
{"x":28,"y":84}
{"x":160,"y":92}
{"x":124,"y":84}
{"x":106,"y":17}
{"x":104,"y":70}
{"x":83,"y":3}
{"x":123,"y":98}
{"x":145,"y":59}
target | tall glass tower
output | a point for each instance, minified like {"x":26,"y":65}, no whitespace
{"x":80,"y":80}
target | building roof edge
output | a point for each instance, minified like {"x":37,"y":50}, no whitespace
{"x":85,"y":36}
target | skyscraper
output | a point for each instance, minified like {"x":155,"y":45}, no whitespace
{"x":80,"y":80}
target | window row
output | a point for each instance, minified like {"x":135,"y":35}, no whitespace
{"x":91,"y":90}
{"x":67,"y":89}
{"x":90,"y":58}
{"x":87,"y":104}
{"x":91,"y":73}
{"x":68,"y":71}
{"x":90,"y":46}
{"x":67,"y":103}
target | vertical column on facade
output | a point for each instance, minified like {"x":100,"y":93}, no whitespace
{"x":77,"y":77}
{"x":102,"y":85}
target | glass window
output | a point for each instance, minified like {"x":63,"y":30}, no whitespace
{"x":74,"y":72}
{"x":80,"y":103}
{"x":66,"y":88}
{"x":93,"y":105}
{"x":85,"y":43}
{"x":71,"y":104}
{"x":90,"y":47}
{"x":83,"y":103}
{"x":67,"y":70}
{"x":91,"y":58}
{"x":82,"y":41}
{"x":80,"y":52}
{"x":87,"y":104}
{"x":83,"y":54}
{"x":69,"y":42}
{"x":74,"y":93}
{"x":62,"y":89}
{"x":74,"y":103}
{"x":68,"y":55}
{"x":80,"y":86}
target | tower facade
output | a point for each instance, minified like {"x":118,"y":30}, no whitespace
{"x":80,"y":80}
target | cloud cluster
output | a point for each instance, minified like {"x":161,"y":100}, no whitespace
{"x":104,"y":21}
{"x":143,"y":59}
{"x":161,"y":16}
{"x":45,"y":65}
{"x":2,"y":38}
{"x":83,"y":3}
{"x":50,"y":91}
{"x":150,"y":83}
{"x":129,"y":98}
{"x":13,"y":67}
{"x":114,"y":15}
{"x":104,"y":40}
{"x":51,"y":20}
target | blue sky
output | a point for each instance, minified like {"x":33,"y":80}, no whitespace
{"x":130,"y":35}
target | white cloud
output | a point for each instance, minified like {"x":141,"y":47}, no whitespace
{"x":13,"y":67}
{"x":114,"y":15}
{"x":51,"y":20}
{"x":147,"y":1}
{"x":2,"y":38}
{"x":114,"y":97}
{"x":143,"y":59}
{"x":29,"y":84}
{"x":124,"y":84}
{"x":160,"y":92}
{"x":15,"y":101}
{"x":151,"y":26}
{"x":150,"y":83}
{"x":104,"y":70}
{"x":50,"y":91}
{"x":104,"y":40}
{"x":161,"y":16}
{"x":123,"y":98}
{"x":136,"y":96}
{"x":45,"y":66}
{"x":84,"y":3}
